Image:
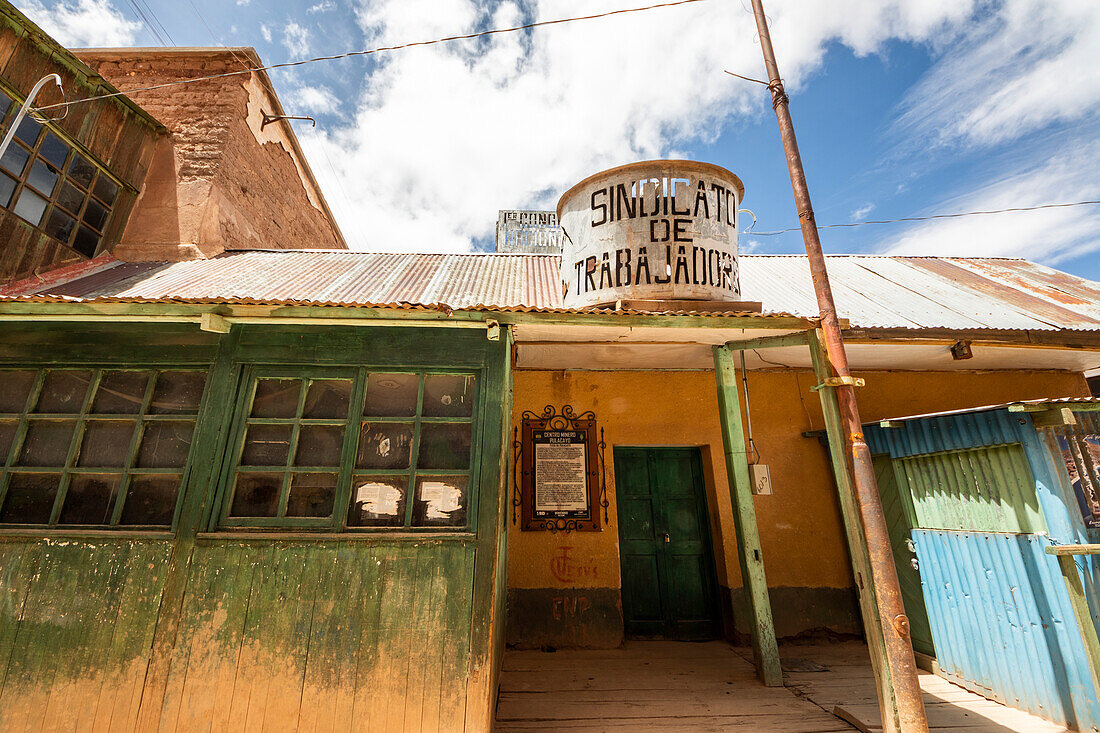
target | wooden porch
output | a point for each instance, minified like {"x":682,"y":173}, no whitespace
{"x":679,"y":686}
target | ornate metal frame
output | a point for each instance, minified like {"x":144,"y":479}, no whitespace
{"x":522,"y":478}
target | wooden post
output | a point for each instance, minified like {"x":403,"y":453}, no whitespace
{"x":1067,"y":563}
{"x":853,"y":530}
{"x":764,"y":647}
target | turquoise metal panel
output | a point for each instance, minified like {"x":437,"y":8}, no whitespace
{"x":1002,"y":622}
{"x":948,"y":432}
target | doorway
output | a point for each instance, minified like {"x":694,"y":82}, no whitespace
{"x":669,"y":588}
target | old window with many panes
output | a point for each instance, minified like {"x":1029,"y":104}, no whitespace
{"x":100,"y":447}
{"x":52,"y":186}
{"x":352,"y":448}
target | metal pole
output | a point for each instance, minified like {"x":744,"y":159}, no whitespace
{"x":910,"y":715}
{"x":23,"y":110}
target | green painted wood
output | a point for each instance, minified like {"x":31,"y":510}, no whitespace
{"x":749,"y":553}
{"x":853,"y":531}
{"x":1080,"y":603}
{"x":669,"y":587}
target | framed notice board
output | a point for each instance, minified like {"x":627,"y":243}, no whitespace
{"x":559,"y":458}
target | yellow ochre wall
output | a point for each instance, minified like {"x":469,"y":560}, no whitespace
{"x":564,"y":589}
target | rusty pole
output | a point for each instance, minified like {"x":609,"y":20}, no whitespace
{"x":891,"y":612}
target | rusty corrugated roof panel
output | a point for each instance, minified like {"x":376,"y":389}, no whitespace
{"x":871,"y":291}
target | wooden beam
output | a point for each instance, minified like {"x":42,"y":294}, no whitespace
{"x":1043,"y":407}
{"x":1053,"y":417}
{"x":214,"y":323}
{"x":853,"y":530}
{"x":1061,"y":550}
{"x":1080,"y":603}
{"x":749,"y":553}
{"x":770,"y":342}
{"x":978,"y":337}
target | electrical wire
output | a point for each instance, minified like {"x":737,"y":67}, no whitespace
{"x":350,"y":54}
{"x":929,"y":217}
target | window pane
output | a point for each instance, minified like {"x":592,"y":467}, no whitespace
{"x":47,"y":443}
{"x":7,"y":188}
{"x":177,"y":392}
{"x":448,"y":395}
{"x":7,"y":435}
{"x":15,"y":387}
{"x":63,"y":391}
{"x":276,"y":398}
{"x":54,"y":149}
{"x":30,"y":498}
{"x":15,"y":159}
{"x":319,"y":445}
{"x":384,"y":445}
{"x":266,"y":445}
{"x":440,"y":501}
{"x":43,"y":177}
{"x":444,"y":445}
{"x":328,"y":398}
{"x":5,"y":104}
{"x":81,"y":171}
{"x":391,"y":395}
{"x":30,"y":206}
{"x":311,"y":495}
{"x":95,"y":215}
{"x":70,"y":197}
{"x":90,"y":499}
{"x":85,"y":241}
{"x":105,"y":189}
{"x":165,"y":445}
{"x":256,"y":495}
{"x":106,"y":443}
{"x":378,"y":501}
{"x":60,"y":225}
{"x":120,"y":393}
{"x":28,"y":130}
{"x":151,"y":500}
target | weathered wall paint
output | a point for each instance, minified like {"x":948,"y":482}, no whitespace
{"x":800,"y":527}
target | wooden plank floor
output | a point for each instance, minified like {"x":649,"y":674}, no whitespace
{"x":677,"y":686}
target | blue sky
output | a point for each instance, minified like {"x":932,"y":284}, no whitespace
{"x":902,"y":108}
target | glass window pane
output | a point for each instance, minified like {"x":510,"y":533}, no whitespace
{"x":54,"y":149}
{"x":151,"y":499}
{"x":391,"y":395}
{"x":120,"y":393}
{"x":276,"y":398}
{"x":15,"y":159}
{"x":59,"y":225}
{"x":319,"y":445}
{"x":89,"y":499}
{"x":165,"y":444}
{"x":28,"y":130}
{"x":7,"y":436}
{"x":440,"y":501}
{"x":15,"y":387}
{"x":266,"y":445}
{"x":328,"y":398}
{"x":106,"y":443}
{"x":70,"y":197}
{"x":384,"y":445}
{"x":63,"y":391}
{"x":378,"y":501}
{"x":105,"y":189}
{"x":43,"y":177}
{"x":95,"y":215}
{"x":448,"y":395}
{"x":7,"y":188}
{"x":30,"y":206}
{"x":256,"y":495}
{"x":47,"y":443}
{"x":177,"y":393}
{"x":81,"y":171}
{"x":444,"y":445}
{"x":86,"y":241}
{"x":30,"y":498}
{"x":311,"y":495}
{"x":5,"y":104}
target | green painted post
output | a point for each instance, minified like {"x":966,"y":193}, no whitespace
{"x":853,"y":530}
{"x":751,"y":557}
{"x":1067,"y":563}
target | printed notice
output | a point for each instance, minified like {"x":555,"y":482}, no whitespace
{"x":561,"y":479}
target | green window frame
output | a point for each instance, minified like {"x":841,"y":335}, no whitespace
{"x":401,"y":453}
{"x":96,"y":447}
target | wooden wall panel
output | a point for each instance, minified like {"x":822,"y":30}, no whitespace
{"x":76,"y":622}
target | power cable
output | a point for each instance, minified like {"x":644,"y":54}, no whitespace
{"x":925,"y":218}
{"x":148,"y":24}
{"x":156,"y":18}
{"x":349,"y":54}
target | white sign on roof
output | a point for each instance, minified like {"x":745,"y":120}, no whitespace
{"x":530,"y":232}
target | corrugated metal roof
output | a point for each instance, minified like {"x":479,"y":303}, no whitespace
{"x":870,"y":291}
{"x":1052,"y":401}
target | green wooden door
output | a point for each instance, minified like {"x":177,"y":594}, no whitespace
{"x":669,"y":588}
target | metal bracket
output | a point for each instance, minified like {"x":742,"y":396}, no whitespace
{"x":848,"y":381}
{"x":492,"y":329}
{"x":266,"y":119}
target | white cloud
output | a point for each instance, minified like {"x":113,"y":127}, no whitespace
{"x":322,"y":7}
{"x":243,"y":3}
{"x":314,"y":99}
{"x":83,"y":23}
{"x":296,"y":39}
{"x":265,"y":31}
{"x":861,"y":213}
